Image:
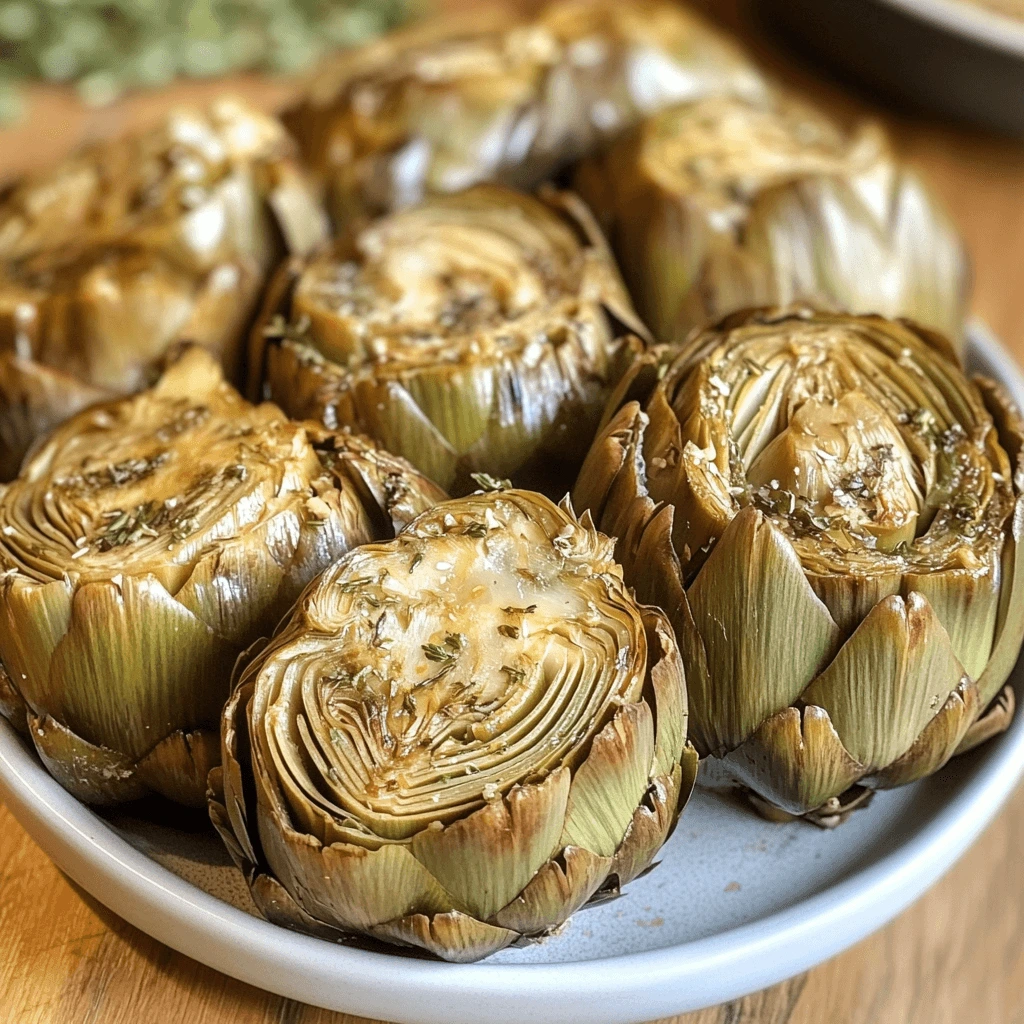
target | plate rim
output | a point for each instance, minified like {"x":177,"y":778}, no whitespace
{"x":990,"y":28}
{"x":622,"y":989}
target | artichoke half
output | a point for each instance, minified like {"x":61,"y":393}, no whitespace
{"x":831,"y":515}
{"x":460,"y":737}
{"x":144,"y":546}
{"x":110,"y":258}
{"x":494,"y":97}
{"x":725,"y":203}
{"x":480,"y":332}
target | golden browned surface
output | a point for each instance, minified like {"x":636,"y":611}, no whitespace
{"x":957,"y":956}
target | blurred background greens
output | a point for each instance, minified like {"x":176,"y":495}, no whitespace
{"x":106,"y":47}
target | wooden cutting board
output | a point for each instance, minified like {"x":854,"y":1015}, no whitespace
{"x":957,"y":957}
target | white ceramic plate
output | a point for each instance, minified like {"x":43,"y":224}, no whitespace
{"x":736,"y":904}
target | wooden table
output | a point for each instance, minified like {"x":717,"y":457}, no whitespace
{"x":957,"y":956}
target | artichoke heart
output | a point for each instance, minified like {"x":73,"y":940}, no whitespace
{"x":150,"y":541}
{"x":123,"y":250}
{"x":480,"y":332}
{"x":831,"y":514}
{"x":459,"y":737}
{"x":727,"y":203}
{"x":496,"y":97}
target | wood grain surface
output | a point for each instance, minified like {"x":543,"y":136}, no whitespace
{"x":956,"y":957}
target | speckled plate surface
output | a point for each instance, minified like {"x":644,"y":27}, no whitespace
{"x":735,"y":905}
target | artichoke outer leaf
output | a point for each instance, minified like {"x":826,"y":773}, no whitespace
{"x":1008,"y":422}
{"x":388,"y":412}
{"x":938,"y":742}
{"x":653,"y":821}
{"x":451,"y":936}
{"x":103,"y":644}
{"x":662,"y":584}
{"x":610,"y":783}
{"x":1009,"y":630}
{"x":555,"y":893}
{"x":850,"y":597}
{"x":795,"y":760}
{"x":33,"y":400}
{"x":228,"y":784}
{"x":996,"y":719}
{"x":460,"y":402}
{"x":636,"y":384}
{"x":178,"y":767}
{"x":667,"y":691}
{"x":210,"y":592}
{"x":348,"y":886}
{"x":243,"y":859}
{"x":609,"y":483}
{"x":888,"y":680}
{"x":276,"y":904}
{"x":34,"y":619}
{"x":486,"y":859}
{"x":276,"y":300}
{"x":380,"y":479}
{"x":12,"y":705}
{"x":93,"y":774}
{"x":967,"y":604}
{"x":765,"y":632}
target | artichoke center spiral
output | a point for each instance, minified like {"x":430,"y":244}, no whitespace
{"x":154,"y":481}
{"x":871,"y":455}
{"x":456,"y":279}
{"x":445,"y":667}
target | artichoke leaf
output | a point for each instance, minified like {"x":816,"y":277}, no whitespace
{"x":966,"y":602}
{"x":90,"y":772}
{"x":179,"y":765}
{"x":995,"y":719}
{"x":453,"y":936}
{"x":611,"y":781}
{"x":486,"y":859}
{"x":796,"y":759}
{"x":888,"y":680}
{"x":12,"y":705}
{"x":653,"y":821}
{"x":936,"y":744}
{"x":766,"y":635}
{"x":561,"y":886}
{"x":349,"y":887}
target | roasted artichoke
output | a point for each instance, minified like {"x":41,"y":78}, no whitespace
{"x":116,"y":254}
{"x":723,"y":204}
{"x":480,"y":332}
{"x":494,"y":97}
{"x":144,"y":546}
{"x":459,"y":738}
{"x":830,"y":513}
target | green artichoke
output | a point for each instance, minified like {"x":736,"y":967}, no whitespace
{"x":116,"y":254}
{"x":480,"y":332}
{"x":145,"y":545}
{"x":830,"y":513}
{"x":723,"y":204}
{"x":495,"y":97}
{"x":459,"y":737}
